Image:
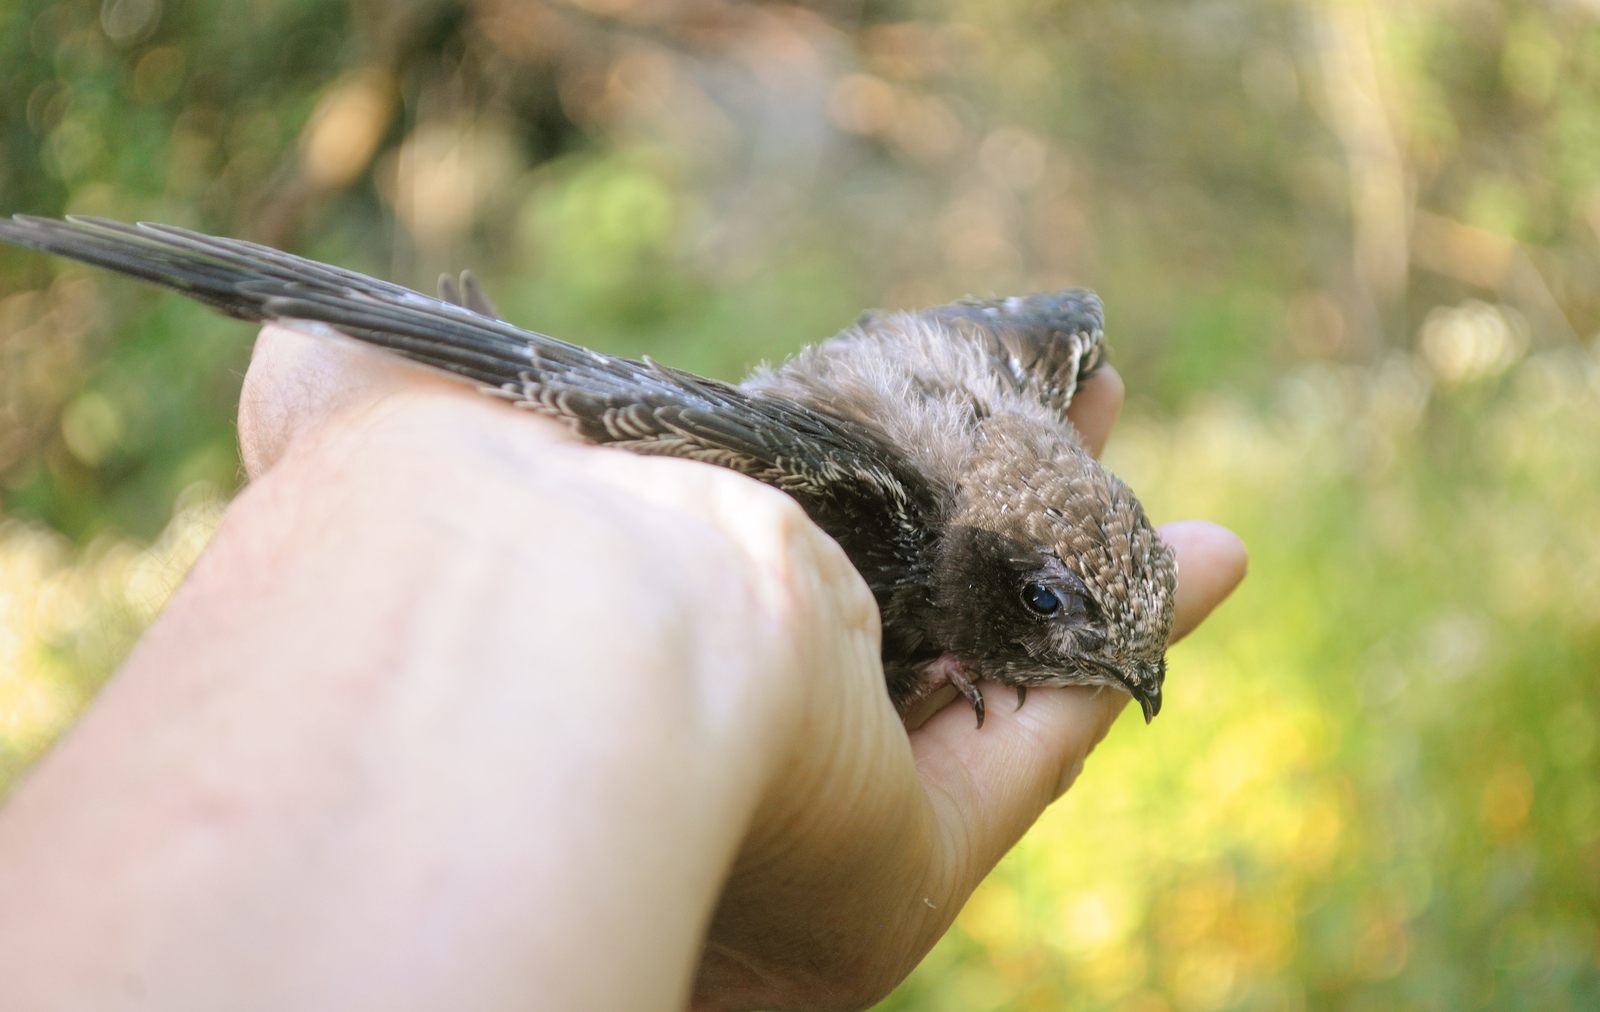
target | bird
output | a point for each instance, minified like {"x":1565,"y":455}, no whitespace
{"x":932,"y":445}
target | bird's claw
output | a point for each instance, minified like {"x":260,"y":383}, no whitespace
{"x":949,"y":670}
{"x":968,"y":688}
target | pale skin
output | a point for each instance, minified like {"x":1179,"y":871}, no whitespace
{"x":456,"y":712}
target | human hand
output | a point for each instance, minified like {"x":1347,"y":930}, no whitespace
{"x":867,"y":842}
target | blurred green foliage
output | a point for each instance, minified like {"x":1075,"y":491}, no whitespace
{"x":1351,"y":262}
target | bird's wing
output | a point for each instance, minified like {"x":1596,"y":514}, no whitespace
{"x":1043,"y":345}
{"x":845,"y":475}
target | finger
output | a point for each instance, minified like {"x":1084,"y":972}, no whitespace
{"x":992,"y":783}
{"x":1211,"y":562}
{"x":1095,"y":407}
{"x":989,"y":785}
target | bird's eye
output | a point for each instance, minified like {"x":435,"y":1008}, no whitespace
{"x":1041,"y":599}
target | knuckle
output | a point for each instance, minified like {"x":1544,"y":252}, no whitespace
{"x":775,"y":510}
{"x":811,"y":582}
{"x":265,"y":425}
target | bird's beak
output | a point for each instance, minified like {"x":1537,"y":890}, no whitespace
{"x":1144,"y":685}
{"x":1149,"y":698}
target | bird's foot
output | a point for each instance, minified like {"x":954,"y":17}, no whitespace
{"x":466,"y":293}
{"x":949,"y":670}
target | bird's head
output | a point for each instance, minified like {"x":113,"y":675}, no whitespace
{"x":1051,"y":574}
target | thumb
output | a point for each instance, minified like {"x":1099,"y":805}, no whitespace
{"x":989,"y":786}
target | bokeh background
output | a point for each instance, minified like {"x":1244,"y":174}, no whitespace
{"x":1351,"y":255}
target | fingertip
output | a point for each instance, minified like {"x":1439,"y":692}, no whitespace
{"x":1212,"y":560}
{"x":1095,"y":407}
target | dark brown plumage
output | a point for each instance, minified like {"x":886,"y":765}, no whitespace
{"x":933,"y":446}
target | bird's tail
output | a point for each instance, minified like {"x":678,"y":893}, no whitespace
{"x":250,"y":281}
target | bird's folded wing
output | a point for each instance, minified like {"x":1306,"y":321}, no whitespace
{"x":826,"y":463}
{"x":1046,"y":344}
